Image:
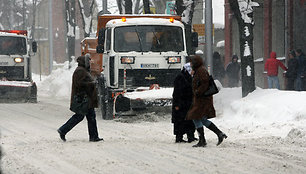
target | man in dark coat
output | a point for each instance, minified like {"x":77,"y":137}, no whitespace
{"x":82,"y":82}
{"x":291,"y":73}
{"x":218,"y":68}
{"x":182,"y":99}
{"x":202,"y":107}
{"x":232,"y":72}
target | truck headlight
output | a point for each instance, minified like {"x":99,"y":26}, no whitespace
{"x":127,"y":60}
{"x":18,"y":59}
{"x":174,"y":59}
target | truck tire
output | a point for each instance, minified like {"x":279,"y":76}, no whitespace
{"x":101,"y":95}
{"x":105,"y":100}
{"x":109,"y":106}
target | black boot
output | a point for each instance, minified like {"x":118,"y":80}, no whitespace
{"x":202,"y":141}
{"x":62,"y":135}
{"x":179,"y":139}
{"x":219,"y":133}
{"x":190,"y":137}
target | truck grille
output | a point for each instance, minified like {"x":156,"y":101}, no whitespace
{"x":146,"y":77}
{"x":12,"y":72}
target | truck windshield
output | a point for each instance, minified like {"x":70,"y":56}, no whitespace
{"x":155,"y":38}
{"x":12,"y":45}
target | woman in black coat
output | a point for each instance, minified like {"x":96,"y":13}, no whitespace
{"x":291,"y":73}
{"x":182,"y":99}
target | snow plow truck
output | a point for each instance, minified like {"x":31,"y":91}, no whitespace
{"x":16,"y":83}
{"x":136,"y":53}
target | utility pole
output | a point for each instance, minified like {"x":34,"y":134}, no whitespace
{"x":50,"y":37}
{"x":208,"y":35}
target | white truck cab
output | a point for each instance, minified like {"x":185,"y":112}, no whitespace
{"x":149,"y":50}
{"x":15,"y":67}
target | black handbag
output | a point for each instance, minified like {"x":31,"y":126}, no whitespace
{"x":79,"y":104}
{"x":212,"y":88}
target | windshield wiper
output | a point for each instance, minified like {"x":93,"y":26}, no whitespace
{"x":139,"y":39}
{"x":158,"y":42}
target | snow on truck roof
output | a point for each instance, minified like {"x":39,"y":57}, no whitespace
{"x":143,"y":21}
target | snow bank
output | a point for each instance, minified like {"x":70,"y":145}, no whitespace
{"x":58,"y":84}
{"x":264,"y":111}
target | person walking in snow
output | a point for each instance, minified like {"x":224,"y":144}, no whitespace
{"x":202,"y":107}
{"x":301,"y":72}
{"x":232,"y":72}
{"x":218,"y":68}
{"x":291,"y":73}
{"x":182,"y":99}
{"x":271,"y":66}
{"x":82,"y":82}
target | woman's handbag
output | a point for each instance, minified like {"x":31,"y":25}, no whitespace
{"x":79,"y":104}
{"x":212,"y":88}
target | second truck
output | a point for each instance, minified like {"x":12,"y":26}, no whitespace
{"x":136,"y":52}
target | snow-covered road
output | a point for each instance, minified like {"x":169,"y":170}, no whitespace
{"x":32,"y":145}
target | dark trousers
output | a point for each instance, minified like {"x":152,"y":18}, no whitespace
{"x":183,"y":127}
{"x":77,"y":118}
{"x":290,"y":84}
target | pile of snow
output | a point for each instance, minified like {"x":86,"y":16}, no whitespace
{"x":220,"y":44}
{"x":262,"y":112}
{"x":58,"y":84}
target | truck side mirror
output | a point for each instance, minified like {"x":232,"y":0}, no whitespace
{"x":34,"y":47}
{"x":101,"y":36}
{"x":194,"y":39}
{"x":100,"y":49}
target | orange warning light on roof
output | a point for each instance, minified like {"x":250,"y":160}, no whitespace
{"x":123,"y":19}
{"x":22,"y":32}
{"x":171,"y":20}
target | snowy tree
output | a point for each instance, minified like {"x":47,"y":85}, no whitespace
{"x":125,"y":6}
{"x":86,"y":11}
{"x":34,"y":5}
{"x":10,"y":14}
{"x":18,"y":14}
{"x":70,"y":25}
{"x":243,"y":11}
{"x":185,"y":8}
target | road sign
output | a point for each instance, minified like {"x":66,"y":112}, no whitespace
{"x":170,"y":7}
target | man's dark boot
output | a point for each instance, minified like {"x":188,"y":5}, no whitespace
{"x":190,"y":136}
{"x":202,"y":141}
{"x":179,"y":139}
{"x":219,"y":133}
{"x":96,"y":139}
{"x":62,"y":135}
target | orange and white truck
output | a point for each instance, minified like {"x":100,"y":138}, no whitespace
{"x":16,"y":83}
{"x":135,"y":52}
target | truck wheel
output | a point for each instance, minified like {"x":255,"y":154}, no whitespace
{"x":102,"y":95}
{"x":108,"y":106}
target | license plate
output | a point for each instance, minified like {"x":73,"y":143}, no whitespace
{"x":149,"y":65}
{"x":3,"y":63}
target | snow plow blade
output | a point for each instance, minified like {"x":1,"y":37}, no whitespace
{"x":18,"y":92}
{"x":126,"y":107}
